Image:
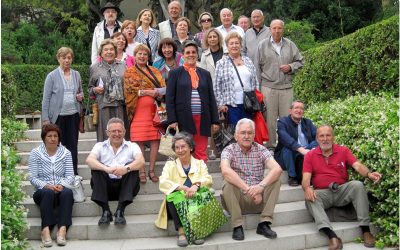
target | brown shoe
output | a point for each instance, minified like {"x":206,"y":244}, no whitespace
{"x":152,"y":176}
{"x":335,"y":244}
{"x":369,"y":239}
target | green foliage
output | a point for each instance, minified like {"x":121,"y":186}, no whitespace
{"x":300,"y":33}
{"x":366,"y":60}
{"x":29,"y":80}
{"x":13,"y":213}
{"x":368,"y":125}
{"x":9,"y":93}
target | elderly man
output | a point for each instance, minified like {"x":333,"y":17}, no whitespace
{"x":327,"y":166}
{"x":278,"y":60}
{"x":167,"y":28}
{"x":227,"y":26}
{"x":255,"y":35}
{"x":244,"y":23}
{"x":296,"y":136}
{"x":245,"y":189}
{"x":105,"y":29}
{"x":115,"y":176}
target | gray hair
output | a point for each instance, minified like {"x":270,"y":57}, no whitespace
{"x":299,"y":101}
{"x":188,"y":138}
{"x":325,"y":126}
{"x":244,"y":121}
{"x":259,"y":11}
{"x":115,"y":120}
{"x":175,"y":2}
{"x":226,"y":9}
{"x":277,"y":20}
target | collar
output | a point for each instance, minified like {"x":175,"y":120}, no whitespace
{"x":273,"y":42}
{"x":335,"y":149}
{"x":290,"y":117}
{"x":150,"y":28}
{"x":116,"y":24}
{"x":251,"y":148}
{"x":108,"y":143}
{"x":193,"y":166}
{"x":262,"y":28}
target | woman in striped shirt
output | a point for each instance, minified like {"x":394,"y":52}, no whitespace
{"x":50,"y":167}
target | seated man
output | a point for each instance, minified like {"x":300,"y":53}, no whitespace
{"x":115,"y":176}
{"x":245,"y":189}
{"x":296,"y":136}
{"x":327,"y":166}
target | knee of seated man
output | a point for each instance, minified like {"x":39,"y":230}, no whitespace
{"x":357,"y":185}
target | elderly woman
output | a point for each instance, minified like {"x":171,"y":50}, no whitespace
{"x":185,"y":173}
{"x":50,"y":167}
{"x":228,"y":89}
{"x":62,"y":101}
{"x":190,"y":100}
{"x":128,"y":28}
{"x":182,"y":27}
{"x":143,"y":86}
{"x":122,"y":42}
{"x":169,"y":57}
{"x":106,"y":84}
{"x":205,"y":22}
{"x":146,"y":34}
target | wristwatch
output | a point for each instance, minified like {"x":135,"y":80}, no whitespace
{"x":197,"y":184}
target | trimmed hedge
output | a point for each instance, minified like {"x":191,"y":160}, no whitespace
{"x":29,"y":80}
{"x":368,"y":125}
{"x":9,"y":93}
{"x":366,"y":60}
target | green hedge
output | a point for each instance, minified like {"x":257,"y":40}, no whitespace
{"x":369,"y":125}
{"x":367,"y":60}
{"x":29,"y":80}
{"x":9,"y":93}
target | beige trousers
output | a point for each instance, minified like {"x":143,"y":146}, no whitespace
{"x":236,"y":203}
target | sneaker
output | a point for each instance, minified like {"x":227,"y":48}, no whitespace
{"x":293,"y":182}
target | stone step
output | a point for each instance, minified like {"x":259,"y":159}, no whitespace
{"x":34,"y":134}
{"x":27,"y":146}
{"x":290,"y":237}
{"x":143,"y":225}
{"x":150,"y":203}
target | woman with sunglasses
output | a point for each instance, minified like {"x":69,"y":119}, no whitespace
{"x":205,"y":22}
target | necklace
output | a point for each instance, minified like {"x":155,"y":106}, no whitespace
{"x":171,"y":65}
{"x":238,"y":61}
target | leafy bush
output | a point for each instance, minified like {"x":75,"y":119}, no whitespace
{"x":9,"y":93}
{"x":13,"y":213}
{"x":368,"y":125}
{"x":367,"y":60}
{"x":29,"y":80}
{"x":300,"y":33}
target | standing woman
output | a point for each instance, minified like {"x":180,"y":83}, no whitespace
{"x":146,"y":34}
{"x":50,"y":167}
{"x":228,"y":90}
{"x":168,"y":58}
{"x":122,"y":42}
{"x":182,"y":27}
{"x":143,"y":86}
{"x":190,"y":100}
{"x":62,"y":101}
{"x":205,"y":22}
{"x":106,"y":84}
{"x":129,"y":29}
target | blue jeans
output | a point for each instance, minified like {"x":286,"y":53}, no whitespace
{"x":237,"y":113}
{"x":287,"y":158}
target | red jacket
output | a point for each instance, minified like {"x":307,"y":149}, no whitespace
{"x":261,"y":126}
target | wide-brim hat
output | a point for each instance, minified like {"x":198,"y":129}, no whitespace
{"x":110,"y":6}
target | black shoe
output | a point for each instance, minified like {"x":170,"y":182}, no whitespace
{"x":119,"y":218}
{"x":238,"y":233}
{"x":264,"y":229}
{"x":293,"y":182}
{"x":106,"y":218}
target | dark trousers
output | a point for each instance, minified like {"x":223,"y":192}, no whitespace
{"x":47,"y":200}
{"x":69,"y":126}
{"x":173,"y":214}
{"x":106,"y":189}
{"x":237,"y":113}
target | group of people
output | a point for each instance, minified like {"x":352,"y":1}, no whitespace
{"x":136,"y":68}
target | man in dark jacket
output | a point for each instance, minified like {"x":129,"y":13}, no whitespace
{"x":296,"y":136}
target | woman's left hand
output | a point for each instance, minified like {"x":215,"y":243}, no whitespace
{"x":215,"y":127}
{"x":191,"y":192}
{"x":79,"y":97}
{"x":150,"y":92}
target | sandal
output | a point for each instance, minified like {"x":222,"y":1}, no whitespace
{"x":182,"y":241}
{"x":153,"y":177}
{"x":142,"y":177}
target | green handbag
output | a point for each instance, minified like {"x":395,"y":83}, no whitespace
{"x":200,"y":216}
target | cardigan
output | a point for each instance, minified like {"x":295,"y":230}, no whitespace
{"x":42,"y":171}
{"x":173,"y":176}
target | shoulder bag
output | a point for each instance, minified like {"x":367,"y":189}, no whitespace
{"x":77,"y":189}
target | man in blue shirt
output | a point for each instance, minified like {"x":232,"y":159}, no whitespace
{"x":296,"y":136}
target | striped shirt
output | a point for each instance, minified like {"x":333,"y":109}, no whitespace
{"x":153,"y":39}
{"x":249,"y":165}
{"x":196,"y":102}
{"x":43,"y":171}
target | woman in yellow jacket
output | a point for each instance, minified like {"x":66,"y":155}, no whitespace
{"x":185,"y":173}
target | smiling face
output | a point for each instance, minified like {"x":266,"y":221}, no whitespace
{"x":142,"y":57}
{"x":205,"y":22}
{"x":213,"y":39}
{"x":182,"y":27}
{"x":120,"y":41}
{"x":182,"y":150}
{"x":110,"y":15}
{"x":146,"y":18}
{"x":116,"y":133}
{"x":129,"y":31}
{"x":108,"y":53}
{"x":226,"y":18}
{"x":174,"y":10}
{"x":190,"y":55}
{"x":245,"y":135}
{"x":244,"y":23}
{"x":257,"y":19}
{"x":325,"y":138}
{"x":233,"y":46}
{"x":65,"y":61}
{"x":167,"y":50}
{"x":297,"y":111}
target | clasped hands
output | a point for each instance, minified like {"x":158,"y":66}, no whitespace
{"x":255,"y":192}
{"x":55,"y":188}
{"x":190,"y":192}
{"x":117,"y":170}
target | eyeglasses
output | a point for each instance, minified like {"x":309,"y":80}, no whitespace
{"x":206,"y":20}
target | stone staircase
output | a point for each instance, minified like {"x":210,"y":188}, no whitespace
{"x":293,"y":224}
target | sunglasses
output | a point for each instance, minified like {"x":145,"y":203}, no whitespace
{"x":206,"y":20}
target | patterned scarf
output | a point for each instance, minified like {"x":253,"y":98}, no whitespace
{"x":193,"y":75}
{"x":113,"y":85}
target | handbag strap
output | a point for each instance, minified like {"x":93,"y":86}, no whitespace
{"x":153,"y":79}
{"x":237,"y":72}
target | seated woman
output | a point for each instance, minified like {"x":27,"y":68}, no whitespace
{"x":169,"y":57}
{"x":185,"y":173}
{"x":50,"y":166}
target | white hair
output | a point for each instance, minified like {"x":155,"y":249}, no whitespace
{"x":245,"y":121}
{"x":277,"y":20}
{"x":226,"y":9}
{"x":259,"y":11}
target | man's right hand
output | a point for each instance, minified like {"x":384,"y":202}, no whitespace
{"x":173,"y":125}
{"x":310,"y":194}
{"x":98,"y":90}
{"x":110,"y":170}
{"x":303,"y":151}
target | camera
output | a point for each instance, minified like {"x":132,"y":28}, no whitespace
{"x":334,"y":187}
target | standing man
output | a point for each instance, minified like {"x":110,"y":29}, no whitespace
{"x":278,"y":60}
{"x":245,"y":189}
{"x":244,"y":23}
{"x":167,"y":28}
{"x":296,"y":136}
{"x":115,"y":165}
{"x":106,"y":28}
{"x":226,"y":17}
{"x":255,"y":35}
{"x":327,"y":166}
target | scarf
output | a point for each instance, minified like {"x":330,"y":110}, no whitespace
{"x":193,"y":75}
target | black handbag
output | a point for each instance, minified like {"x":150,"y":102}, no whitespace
{"x":250,"y":102}
{"x":225,"y":136}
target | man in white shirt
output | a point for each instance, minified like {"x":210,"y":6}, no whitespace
{"x":227,"y":26}
{"x":167,"y":28}
{"x":115,"y":165}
